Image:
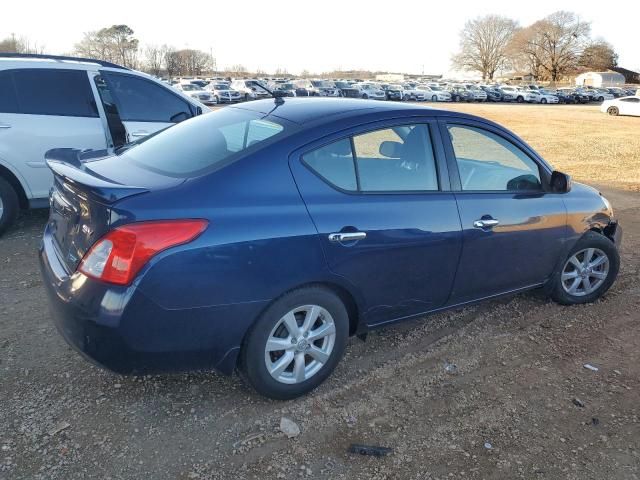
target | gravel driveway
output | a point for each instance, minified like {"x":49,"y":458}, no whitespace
{"x":494,"y":391}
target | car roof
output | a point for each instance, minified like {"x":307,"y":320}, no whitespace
{"x":320,"y":110}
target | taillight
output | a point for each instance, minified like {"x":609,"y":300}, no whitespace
{"x":120,"y":254}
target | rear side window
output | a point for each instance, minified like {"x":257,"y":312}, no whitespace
{"x":141,"y":100}
{"x":334,"y":163}
{"x":202,"y":144}
{"x":48,"y":92}
{"x":397,"y":159}
{"x":8,"y":98}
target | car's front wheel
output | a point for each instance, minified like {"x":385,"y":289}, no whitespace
{"x":588,"y":272}
{"x":544,"y":100}
{"x":613,"y":111}
{"x":9,"y":205}
{"x":296,"y":343}
{"x":434,"y":98}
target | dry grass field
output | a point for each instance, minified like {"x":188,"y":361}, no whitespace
{"x":580,"y":140}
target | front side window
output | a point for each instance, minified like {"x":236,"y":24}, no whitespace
{"x":397,"y":159}
{"x":488,"y":162}
{"x":141,"y":100}
{"x":36,"y":91}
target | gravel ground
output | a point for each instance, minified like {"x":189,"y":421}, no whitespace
{"x":494,"y":391}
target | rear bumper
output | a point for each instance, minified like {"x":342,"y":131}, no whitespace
{"x":121,"y":329}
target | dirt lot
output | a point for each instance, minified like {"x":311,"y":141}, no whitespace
{"x":518,"y":368}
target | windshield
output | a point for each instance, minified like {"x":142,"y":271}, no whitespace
{"x":188,"y":87}
{"x":221,"y":86}
{"x":202,"y":144}
{"x":319,"y":83}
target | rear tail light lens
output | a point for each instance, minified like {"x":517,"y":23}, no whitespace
{"x":119,"y":255}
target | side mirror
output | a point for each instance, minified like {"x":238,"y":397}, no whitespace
{"x":390,"y":149}
{"x":560,"y":182}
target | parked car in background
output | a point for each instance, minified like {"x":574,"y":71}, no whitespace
{"x":602,"y":94}
{"x":325,"y":88}
{"x":493,"y":94}
{"x":527,"y":96}
{"x":578,"y":96}
{"x":347,"y":89}
{"x":288,"y":88}
{"x":223,"y":93}
{"x":479,"y":95}
{"x":564,"y":96}
{"x":165,"y":271}
{"x":547,"y":96}
{"x":51,"y":101}
{"x":197,"y":92}
{"x":394,"y":92}
{"x":460,"y":93}
{"x":250,"y":89}
{"x":435,"y":95}
{"x":616,"y":92}
{"x":509,"y":93}
{"x":622,"y":106}
{"x":411,"y":92}
{"x":370,"y":91}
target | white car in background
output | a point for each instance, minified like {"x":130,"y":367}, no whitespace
{"x":435,"y":95}
{"x":371,"y":91}
{"x":196,"y":91}
{"x":250,"y":89}
{"x":547,"y":97}
{"x":479,"y":95}
{"x":414,"y":93}
{"x":223,"y":93}
{"x":53,"y":102}
{"x":527,"y":96}
{"x":622,"y":106}
{"x":509,"y":93}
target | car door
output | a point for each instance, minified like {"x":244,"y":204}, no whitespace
{"x":629,"y":106}
{"x":143,"y":106}
{"x":513,"y":227}
{"x":41,"y":109}
{"x":386,"y":221}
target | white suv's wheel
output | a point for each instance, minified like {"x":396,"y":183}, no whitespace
{"x":9,"y":205}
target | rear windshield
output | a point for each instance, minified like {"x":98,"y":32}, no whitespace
{"x":203,"y":144}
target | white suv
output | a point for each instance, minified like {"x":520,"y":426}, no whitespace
{"x":51,"y":102}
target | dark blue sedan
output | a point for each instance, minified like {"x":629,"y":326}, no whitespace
{"x":259,"y":237}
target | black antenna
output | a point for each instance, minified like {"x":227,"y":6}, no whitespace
{"x":278,"y":95}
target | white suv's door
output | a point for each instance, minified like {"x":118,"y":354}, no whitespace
{"x":143,"y":106}
{"x":41,"y":109}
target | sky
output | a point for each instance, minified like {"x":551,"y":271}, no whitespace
{"x":324,"y":35}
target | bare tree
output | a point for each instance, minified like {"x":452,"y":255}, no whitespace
{"x":114,"y":44}
{"x":598,"y":55}
{"x":556,"y":43}
{"x":154,"y":58}
{"x":484,"y":44}
{"x":13,"y":44}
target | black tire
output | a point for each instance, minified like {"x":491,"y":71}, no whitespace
{"x":365,"y":96}
{"x":544,"y":100}
{"x":434,"y":98}
{"x":520,"y":99}
{"x":613,"y":111}
{"x":601,"y":99}
{"x":217,"y":99}
{"x":246,"y":97}
{"x":252,"y":366}
{"x":589,"y":240}
{"x":9,"y":203}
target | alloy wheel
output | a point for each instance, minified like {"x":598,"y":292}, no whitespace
{"x":585,"y":272}
{"x":300,"y":344}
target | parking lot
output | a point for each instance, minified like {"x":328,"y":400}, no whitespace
{"x":497,"y":390}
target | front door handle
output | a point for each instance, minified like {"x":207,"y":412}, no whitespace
{"x":485,"y":223}
{"x":347,"y":236}
{"x":140,"y":133}
{"x":2,"y":125}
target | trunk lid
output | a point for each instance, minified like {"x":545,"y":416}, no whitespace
{"x":86,"y":186}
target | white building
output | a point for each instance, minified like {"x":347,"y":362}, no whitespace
{"x":600,"y":79}
{"x":390,"y":77}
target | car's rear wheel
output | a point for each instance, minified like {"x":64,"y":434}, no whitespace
{"x":544,"y":100}
{"x":9,"y":205}
{"x":365,"y":96}
{"x":520,"y":99}
{"x":296,"y":343}
{"x":434,"y":98}
{"x":601,"y":99}
{"x":588,"y":272}
{"x":613,"y":111}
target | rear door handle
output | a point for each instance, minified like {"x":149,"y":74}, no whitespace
{"x":4,"y":125}
{"x":486,"y":223}
{"x":347,"y":236}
